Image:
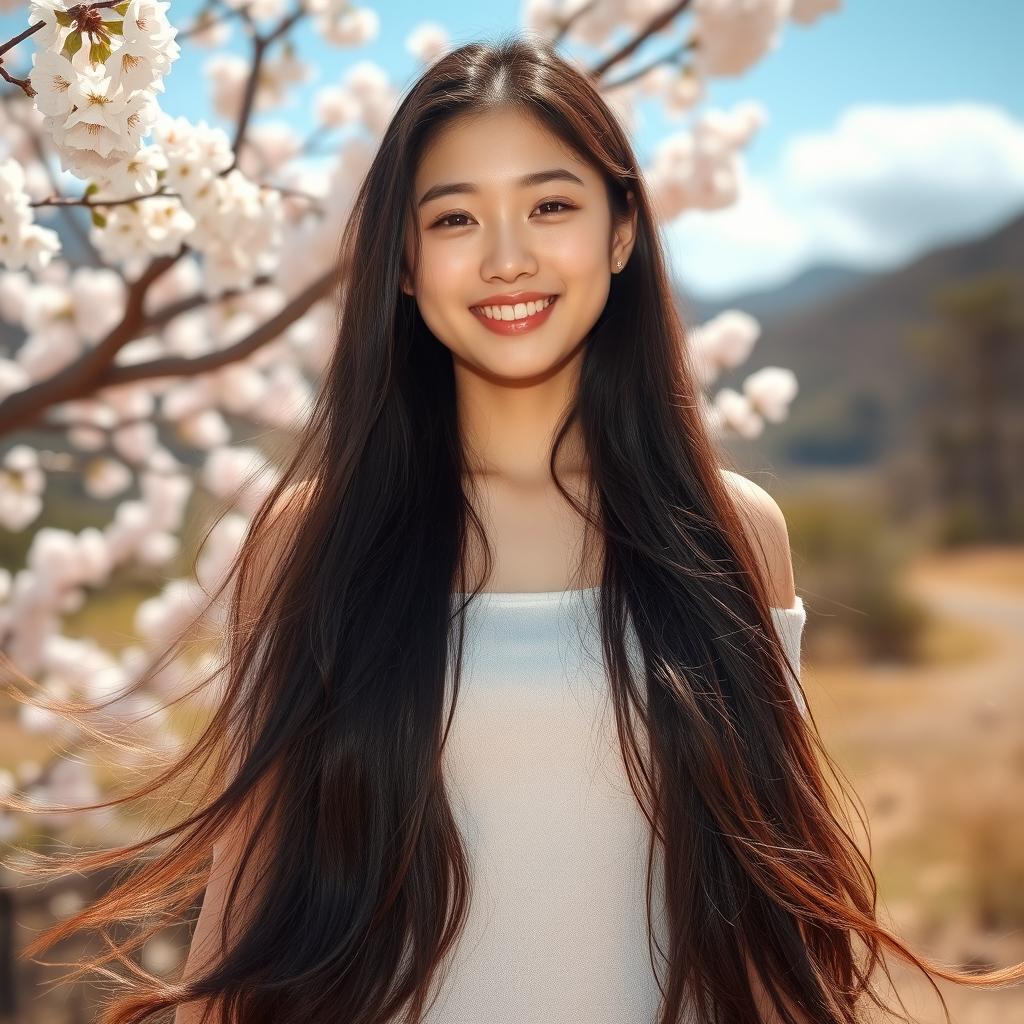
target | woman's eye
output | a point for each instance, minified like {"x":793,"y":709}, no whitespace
{"x":557,"y":202}
{"x":443,"y":222}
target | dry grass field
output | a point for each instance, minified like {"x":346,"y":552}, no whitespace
{"x":936,"y":753}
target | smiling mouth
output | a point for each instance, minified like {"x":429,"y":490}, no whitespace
{"x":539,"y":306}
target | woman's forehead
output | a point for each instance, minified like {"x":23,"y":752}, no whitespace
{"x":495,"y":149}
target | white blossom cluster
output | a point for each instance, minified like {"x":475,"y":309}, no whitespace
{"x":62,"y":314}
{"x":95,"y":74}
{"x":722,"y":343}
{"x":235,"y":223}
{"x":342,"y":23}
{"x":699,"y":169}
{"x":23,"y":243}
{"x":21,"y":490}
{"x":98,"y":100}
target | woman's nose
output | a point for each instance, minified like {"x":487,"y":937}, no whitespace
{"x":508,"y":256}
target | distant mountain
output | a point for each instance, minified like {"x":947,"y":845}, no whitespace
{"x":812,"y":285}
{"x":857,"y":375}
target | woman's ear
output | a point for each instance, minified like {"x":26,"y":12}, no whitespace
{"x":625,"y":233}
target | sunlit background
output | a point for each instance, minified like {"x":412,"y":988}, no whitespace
{"x":876,"y":251}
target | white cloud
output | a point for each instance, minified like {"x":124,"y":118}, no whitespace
{"x":886,"y":183}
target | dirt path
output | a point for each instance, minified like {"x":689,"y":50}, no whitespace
{"x":939,"y":756}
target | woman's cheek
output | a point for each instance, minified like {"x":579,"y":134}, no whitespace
{"x":450,"y":268}
{"x":577,"y":251}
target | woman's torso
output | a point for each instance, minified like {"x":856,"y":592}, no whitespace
{"x":557,"y":842}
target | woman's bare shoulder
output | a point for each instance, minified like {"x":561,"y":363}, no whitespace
{"x":768,"y":533}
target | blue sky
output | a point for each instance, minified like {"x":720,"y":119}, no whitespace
{"x":892,"y":125}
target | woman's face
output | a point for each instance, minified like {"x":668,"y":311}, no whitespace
{"x":495,"y":236}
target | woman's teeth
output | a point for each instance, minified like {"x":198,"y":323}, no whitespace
{"x":517,"y":312}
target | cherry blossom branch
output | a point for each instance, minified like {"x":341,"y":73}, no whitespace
{"x":206,"y":19}
{"x":81,"y":377}
{"x":166,"y":313}
{"x":672,"y":57}
{"x":30,"y":31}
{"x":658,"y":22}
{"x":260,"y":45}
{"x":23,"y":83}
{"x":568,"y":22}
{"x":86,"y":374}
{"x":88,"y":201}
{"x":96,"y":369}
{"x":184,"y":366}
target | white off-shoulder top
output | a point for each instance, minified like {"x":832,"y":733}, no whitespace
{"x":557,"y":928}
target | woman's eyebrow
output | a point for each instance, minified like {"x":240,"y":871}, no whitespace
{"x":536,"y":178}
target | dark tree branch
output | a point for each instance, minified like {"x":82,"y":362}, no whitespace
{"x":658,"y":22}
{"x":567,"y":23}
{"x":260,"y":45}
{"x":205,"y":19}
{"x":95,"y":369}
{"x":88,"y":201}
{"x":166,"y":313}
{"x":85,"y":374}
{"x":672,"y":57}
{"x":184,"y":366}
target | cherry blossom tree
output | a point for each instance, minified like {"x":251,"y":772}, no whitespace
{"x":201,"y":288}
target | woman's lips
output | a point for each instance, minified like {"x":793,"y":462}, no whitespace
{"x":514,"y":327}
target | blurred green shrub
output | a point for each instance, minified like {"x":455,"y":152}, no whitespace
{"x":849,"y":561}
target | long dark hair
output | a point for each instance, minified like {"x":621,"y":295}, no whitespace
{"x":327,"y":739}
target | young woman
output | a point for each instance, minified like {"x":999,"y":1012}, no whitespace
{"x":512,"y":727}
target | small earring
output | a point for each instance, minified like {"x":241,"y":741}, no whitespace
{"x":618,"y":264}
